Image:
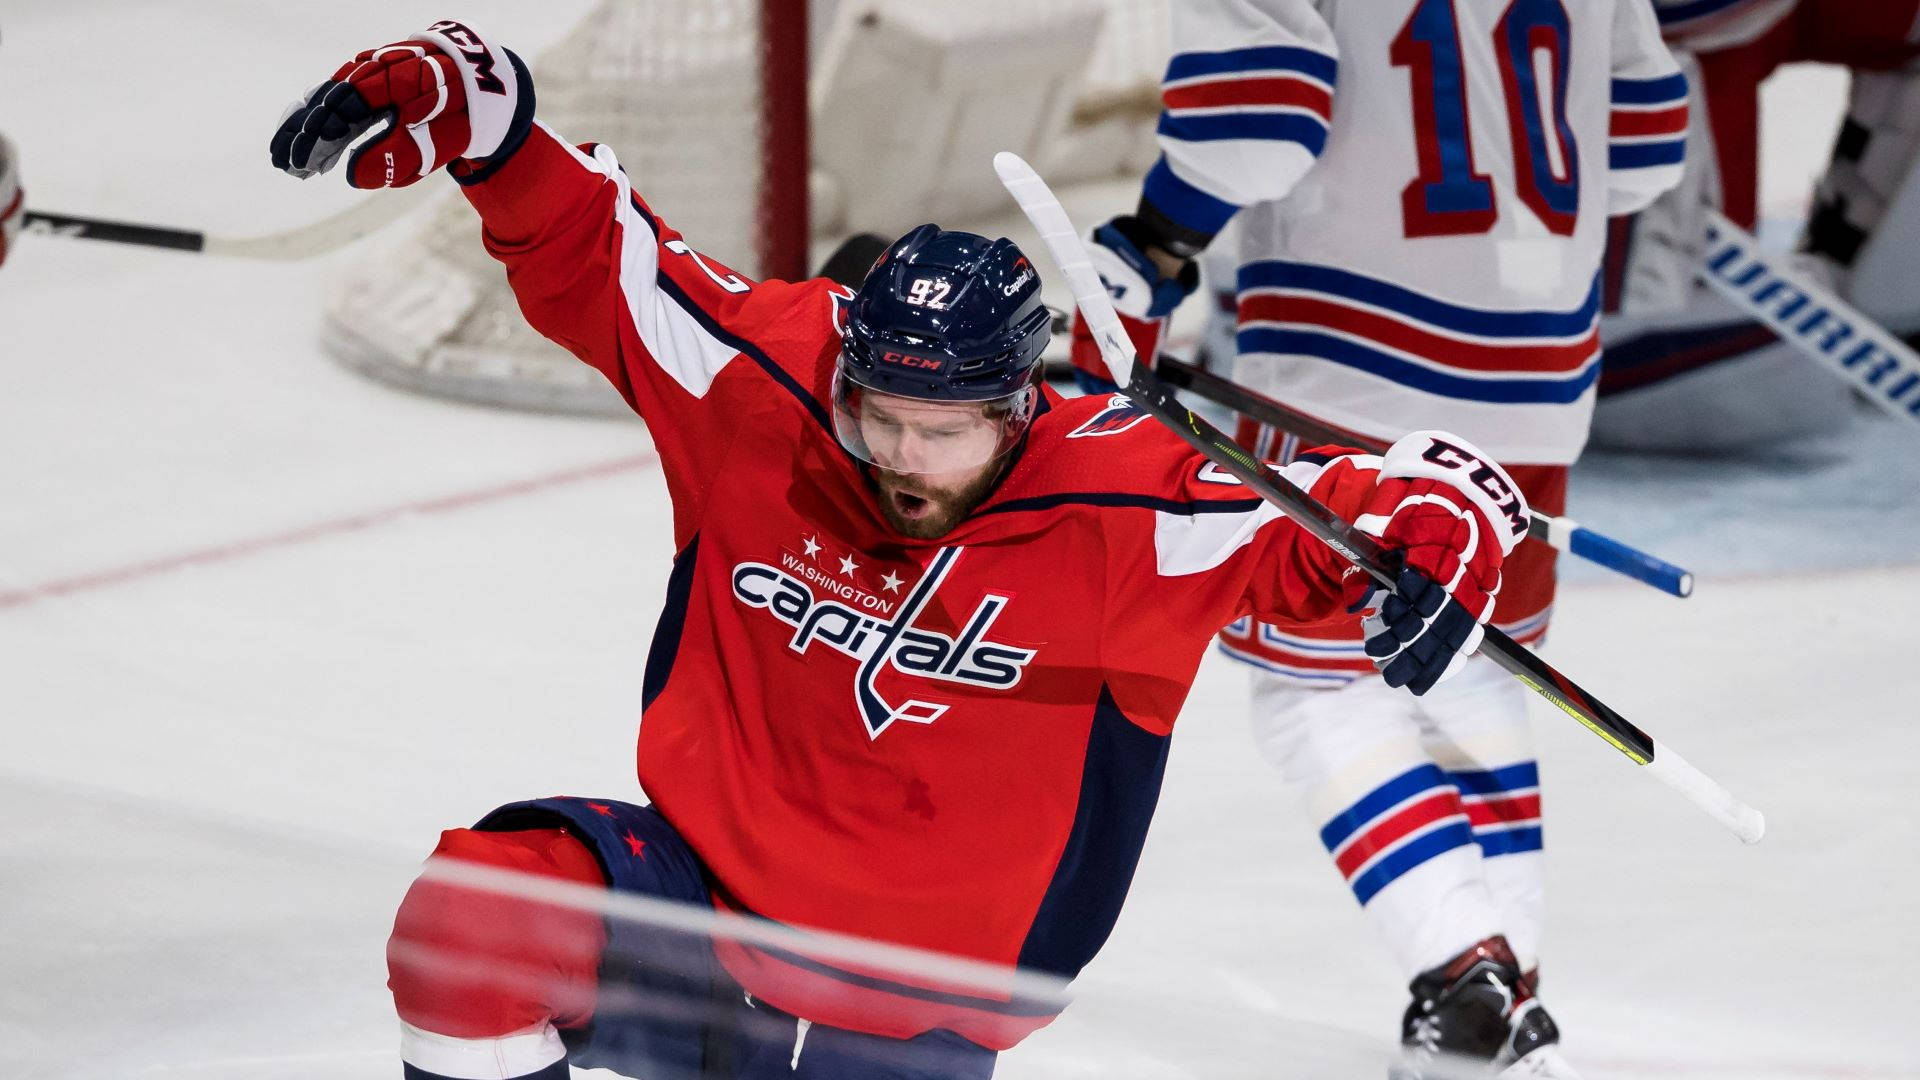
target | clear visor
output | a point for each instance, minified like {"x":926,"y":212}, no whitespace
{"x":926,"y":438}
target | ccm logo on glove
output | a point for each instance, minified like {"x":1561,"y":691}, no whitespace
{"x":1485,"y":477}
{"x":476,"y":53}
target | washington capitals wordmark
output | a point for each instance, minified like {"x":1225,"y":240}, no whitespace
{"x":878,"y":642}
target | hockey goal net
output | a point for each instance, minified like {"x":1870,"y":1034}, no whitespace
{"x":765,"y":130}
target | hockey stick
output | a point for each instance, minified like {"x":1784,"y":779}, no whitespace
{"x":1823,"y":327}
{"x":1146,"y":390}
{"x":328,"y":234}
{"x":1560,"y":533}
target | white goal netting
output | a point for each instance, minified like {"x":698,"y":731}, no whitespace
{"x":902,"y":96}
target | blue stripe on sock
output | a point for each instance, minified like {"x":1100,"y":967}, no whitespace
{"x":1526,"y":774}
{"x":1379,"y":800}
{"x":1509,"y":841}
{"x":1383,"y":873}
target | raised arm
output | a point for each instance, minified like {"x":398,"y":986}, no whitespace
{"x":683,"y":338}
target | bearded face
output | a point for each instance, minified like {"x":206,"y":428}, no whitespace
{"x":913,"y":445}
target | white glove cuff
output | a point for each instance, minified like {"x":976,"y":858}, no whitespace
{"x":492,"y":107}
{"x":1451,"y":460}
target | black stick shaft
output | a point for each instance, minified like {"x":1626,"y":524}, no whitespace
{"x":1221,"y":391}
{"x":1153,"y":395}
{"x":119,"y":232}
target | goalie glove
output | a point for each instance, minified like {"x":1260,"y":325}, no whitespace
{"x":12,"y":197}
{"x":445,"y":94}
{"x":1452,"y":516}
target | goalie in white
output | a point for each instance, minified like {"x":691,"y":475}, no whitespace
{"x":1685,"y":370}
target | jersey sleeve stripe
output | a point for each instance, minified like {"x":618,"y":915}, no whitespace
{"x":684,"y":303}
{"x":1636,"y":123}
{"x":1186,"y":544}
{"x":1648,"y":155}
{"x":1675,"y":15}
{"x":676,"y":342}
{"x":1242,"y":92}
{"x":1310,"y":63}
{"x":1309,"y":131}
{"x":1647,"y":139}
{"x":1665,"y":90}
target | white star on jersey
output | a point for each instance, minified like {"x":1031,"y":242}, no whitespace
{"x":848,"y":566}
{"x":890,"y":582}
{"x":813,"y":546}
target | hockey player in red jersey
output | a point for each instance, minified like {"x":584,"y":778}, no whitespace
{"x":927,"y":627}
{"x":1421,"y":190}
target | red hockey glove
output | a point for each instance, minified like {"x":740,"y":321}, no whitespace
{"x":1453,"y":515}
{"x":13,"y":200}
{"x":1143,"y":297}
{"x":445,"y":94}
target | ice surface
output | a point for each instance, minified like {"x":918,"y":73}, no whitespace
{"x":220,"y":773}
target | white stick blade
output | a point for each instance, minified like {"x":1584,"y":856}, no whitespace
{"x":1049,"y":218}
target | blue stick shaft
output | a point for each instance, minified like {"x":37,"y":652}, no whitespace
{"x":1561,"y":533}
{"x":1630,"y":561}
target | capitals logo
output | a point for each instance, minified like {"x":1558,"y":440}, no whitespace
{"x":1119,"y":415}
{"x":882,"y":636}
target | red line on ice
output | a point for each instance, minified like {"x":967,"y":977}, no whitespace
{"x":353,"y":523}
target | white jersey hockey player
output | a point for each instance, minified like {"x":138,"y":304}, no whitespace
{"x":1422,"y":190}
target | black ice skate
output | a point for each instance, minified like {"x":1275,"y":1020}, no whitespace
{"x":1479,"y":1007}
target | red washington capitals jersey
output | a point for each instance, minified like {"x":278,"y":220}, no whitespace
{"x":953,"y":744}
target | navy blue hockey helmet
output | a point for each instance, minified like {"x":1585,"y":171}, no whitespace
{"x":943,"y":317}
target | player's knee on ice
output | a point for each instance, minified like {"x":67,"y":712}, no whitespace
{"x":474,"y":964}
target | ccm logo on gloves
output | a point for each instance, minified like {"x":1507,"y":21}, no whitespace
{"x":1483,"y":476}
{"x":476,"y":53}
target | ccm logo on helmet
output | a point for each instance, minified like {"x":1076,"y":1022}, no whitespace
{"x":1483,"y":476}
{"x":927,"y":363}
